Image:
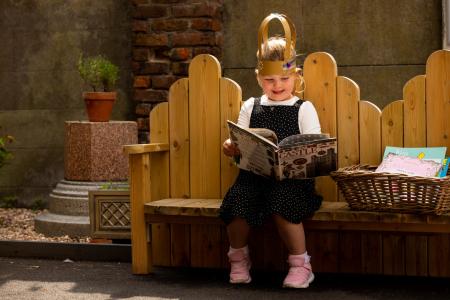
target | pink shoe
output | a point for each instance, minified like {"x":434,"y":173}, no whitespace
{"x":300,"y":272}
{"x":240,"y":266}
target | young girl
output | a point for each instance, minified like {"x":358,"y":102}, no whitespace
{"x":253,"y":198}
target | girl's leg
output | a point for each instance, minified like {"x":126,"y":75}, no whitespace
{"x":238,"y":231}
{"x":293,"y":235}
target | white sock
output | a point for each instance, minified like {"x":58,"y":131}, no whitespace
{"x":232,"y":250}
{"x":304,"y":255}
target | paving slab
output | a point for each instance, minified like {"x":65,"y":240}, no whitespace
{"x":66,"y":279}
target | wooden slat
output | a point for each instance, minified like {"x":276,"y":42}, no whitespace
{"x":159,"y":176}
{"x":414,"y":112}
{"x":350,"y":260}
{"x":437,"y":99}
{"x":439,"y":255}
{"x":139,"y":194}
{"x":323,"y":248}
{"x":146,"y":148}
{"x":274,"y":251}
{"x":179,"y":139}
{"x":230,"y":103}
{"x":348,"y":96}
{"x":369,"y":133}
{"x":180,"y":236}
{"x":204,"y":127}
{"x":320,"y":72}
{"x":372,"y":253}
{"x":179,"y":165}
{"x":393,"y":254}
{"x":392,"y":125}
{"x":206,"y":246}
{"x":416,"y":255}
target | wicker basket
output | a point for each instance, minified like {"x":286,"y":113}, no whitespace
{"x":364,"y":189}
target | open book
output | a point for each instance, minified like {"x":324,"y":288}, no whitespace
{"x":296,"y":157}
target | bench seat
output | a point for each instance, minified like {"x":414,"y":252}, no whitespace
{"x":331,"y":216}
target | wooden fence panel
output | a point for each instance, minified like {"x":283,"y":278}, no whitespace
{"x":230,"y":104}
{"x":348,"y":96}
{"x":369,"y":133}
{"x":159,"y":133}
{"x":438,"y":99}
{"x":204,"y":77}
{"x":320,"y":72}
{"x":414,"y":130}
{"x":392,"y":125}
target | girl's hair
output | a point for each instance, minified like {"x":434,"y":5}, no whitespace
{"x":274,"y":50}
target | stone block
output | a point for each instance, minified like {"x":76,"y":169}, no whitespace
{"x":93,"y":150}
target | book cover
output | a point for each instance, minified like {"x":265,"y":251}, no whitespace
{"x":296,"y":157}
{"x":436,"y":154}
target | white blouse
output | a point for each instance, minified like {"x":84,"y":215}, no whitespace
{"x":308,"y":120}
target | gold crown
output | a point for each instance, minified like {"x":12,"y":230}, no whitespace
{"x":277,"y":67}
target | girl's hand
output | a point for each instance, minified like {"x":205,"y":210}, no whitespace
{"x":230,"y":149}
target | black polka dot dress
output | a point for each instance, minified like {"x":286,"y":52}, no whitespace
{"x":253,"y":197}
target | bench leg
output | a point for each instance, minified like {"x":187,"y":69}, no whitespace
{"x":139,"y":191}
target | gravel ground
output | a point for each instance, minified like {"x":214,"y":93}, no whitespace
{"x":18,"y":224}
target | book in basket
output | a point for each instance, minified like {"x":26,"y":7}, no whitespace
{"x":398,"y":159}
{"x":296,"y":157}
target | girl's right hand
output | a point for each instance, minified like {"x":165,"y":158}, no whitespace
{"x":230,"y":149}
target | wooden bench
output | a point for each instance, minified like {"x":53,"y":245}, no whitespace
{"x":178,"y":180}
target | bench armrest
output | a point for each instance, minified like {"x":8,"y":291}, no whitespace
{"x":145,"y":148}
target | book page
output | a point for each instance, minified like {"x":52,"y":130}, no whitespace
{"x":308,"y":160}
{"x":301,"y":139}
{"x":258,"y":154}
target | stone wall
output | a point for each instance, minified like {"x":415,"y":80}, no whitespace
{"x":40,"y":86}
{"x":166,"y":35}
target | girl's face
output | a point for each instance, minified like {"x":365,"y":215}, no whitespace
{"x":277,"y":87}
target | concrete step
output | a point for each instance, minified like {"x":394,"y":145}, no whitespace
{"x":56,"y":225}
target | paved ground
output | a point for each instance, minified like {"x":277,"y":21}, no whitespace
{"x":52,"y":279}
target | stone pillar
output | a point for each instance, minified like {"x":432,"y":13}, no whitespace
{"x":93,"y":157}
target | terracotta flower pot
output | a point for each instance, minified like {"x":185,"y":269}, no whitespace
{"x":99,"y":105}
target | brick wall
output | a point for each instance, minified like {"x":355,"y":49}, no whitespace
{"x":167,"y":34}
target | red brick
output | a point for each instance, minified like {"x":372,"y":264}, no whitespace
{"x":206,"y":24}
{"x":140,"y":26}
{"x":156,"y":68}
{"x":193,"y":38}
{"x":142,"y":81}
{"x":163,"y":81}
{"x":141,"y":54}
{"x":152,"y":40}
{"x":143,"y":109}
{"x":180,"y":68}
{"x":204,"y":9}
{"x":219,"y":39}
{"x":180,"y":54}
{"x":170,"y":25}
{"x":150,"y":11}
{"x":136,"y":67}
{"x":150,"y":95}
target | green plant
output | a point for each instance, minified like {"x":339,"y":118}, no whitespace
{"x":38,"y":204}
{"x":5,"y":154}
{"x":113,"y":186}
{"x":8,"y":202}
{"x":98,"y":72}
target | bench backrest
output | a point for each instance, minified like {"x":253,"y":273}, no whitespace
{"x":193,"y":122}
